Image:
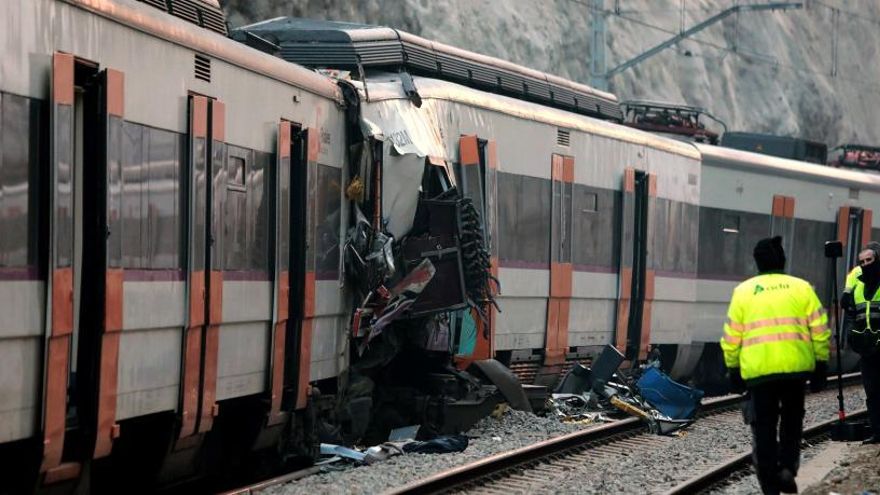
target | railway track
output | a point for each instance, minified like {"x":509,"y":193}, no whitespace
{"x":716,"y":477}
{"x":538,"y":465}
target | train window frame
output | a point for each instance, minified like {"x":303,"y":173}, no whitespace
{"x":730,"y":223}
{"x":236,"y":163}
{"x":592,"y":202}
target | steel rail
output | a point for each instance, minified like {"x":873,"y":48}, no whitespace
{"x":445,"y":481}
{"x":250,"y":489}
{"x":487,"y":466}
{"x":710,"y":478}
{"x":497,"y":463}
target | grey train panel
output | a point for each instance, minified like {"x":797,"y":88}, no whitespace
{"x":728,"y":255}
{"x":234,"y":212}
{"x":21,"y":122}
{"x":241,"y":368}
{"x":244,"y":212}
{"x":114,"y":191}
{"x":807,"y":259}
{"x":311,"y":211}
{"x":782,"y":167}
{"x":149,"y":369}
{"x":675,"y":236}
{"x":133,"y":221}
{"x":259,"y":212}
{"x":217,"y":193}
{"x":19,"y":386}
{"x":328,"y":203}
{"x":595,"y":227}
{"x":524,"y":219}
{"x":151,"y":197}
{"x":63,"y":205}
{"x":197,"y":202}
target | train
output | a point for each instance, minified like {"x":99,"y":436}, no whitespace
{"x":212,"y":255}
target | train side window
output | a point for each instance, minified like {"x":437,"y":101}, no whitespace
{"x":236,"y":173}
{"x":730,"y":224}
{"x":18,"y":167}
{"x":590,"y":203}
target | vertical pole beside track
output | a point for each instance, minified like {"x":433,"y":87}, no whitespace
{"x":835,"y":309}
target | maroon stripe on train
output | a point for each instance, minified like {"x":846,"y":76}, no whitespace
{"x":327,"y":275}
{"x":19,"y":273}
{"x":169,"y":275}
{"x":671,"y":274}
{"x":531,"y":265}
{"x":246,"y":276}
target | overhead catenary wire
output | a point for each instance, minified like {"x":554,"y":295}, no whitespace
{"x":750,"y":56}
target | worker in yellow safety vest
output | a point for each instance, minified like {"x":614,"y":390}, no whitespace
{"x":775,"y":338}
{"x":861,"y":306}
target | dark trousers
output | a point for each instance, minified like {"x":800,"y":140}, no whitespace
{"x":775,"y":403}
{"x":871,"y":381}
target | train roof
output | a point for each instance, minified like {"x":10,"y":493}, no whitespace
{"x":350,"y":46}
{"x":151,"y":20}
{"x":784,"y":167}
{"x":388,"y":86}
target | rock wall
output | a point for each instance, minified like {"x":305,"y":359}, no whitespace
{"x":757,"y":71}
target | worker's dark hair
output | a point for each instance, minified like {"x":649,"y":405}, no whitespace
{"x":769,"y":255}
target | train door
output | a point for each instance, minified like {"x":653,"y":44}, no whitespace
{"x":196,"y":263}
{"x":782,"y":222}
{"x":477,"y":180}
{"x":302,"y":184}
{"x":559,"y":301}
{"x":204,"y":275}
{"x":636,"y":282}
{"x":81,"y":191}
{"x":289,"y":289}
{"x":854,"y":230}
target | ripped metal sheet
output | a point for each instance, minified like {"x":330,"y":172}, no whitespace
{"x":401,"y":181}
{"x":410,"y":129}
{"x":410,"y":134}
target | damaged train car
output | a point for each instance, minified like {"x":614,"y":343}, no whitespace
{"x":213,"y":256}
{"x":543,"y":230}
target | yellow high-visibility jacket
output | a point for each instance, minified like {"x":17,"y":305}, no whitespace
{"x":864,"y":317}
{"x":852,"y":278}
{"x":775,"y":326}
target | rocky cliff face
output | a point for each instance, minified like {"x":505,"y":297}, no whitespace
{"x":812,"y":73}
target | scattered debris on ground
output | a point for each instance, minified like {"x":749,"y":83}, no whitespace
{"x":588,"y":395}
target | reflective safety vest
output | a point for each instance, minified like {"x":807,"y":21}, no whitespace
{"x":775,"y":325}
{"x":864,"y":336}
{"x":852,"y":278}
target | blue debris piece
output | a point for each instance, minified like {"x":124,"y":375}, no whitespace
{"x":667,"y":396}
{"x":344,"y":452}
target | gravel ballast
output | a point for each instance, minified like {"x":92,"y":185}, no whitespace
{"x":703,"y":444}
{"x":514,"y":429}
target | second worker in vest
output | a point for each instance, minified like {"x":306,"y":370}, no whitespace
{"x":861,"y":304}
{"x":775,"y":339}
